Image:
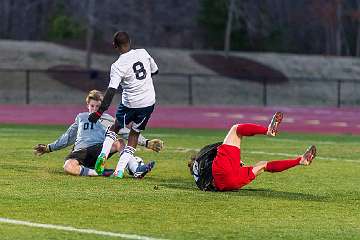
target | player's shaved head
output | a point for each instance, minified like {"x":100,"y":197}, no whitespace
{"x":121,"y":39}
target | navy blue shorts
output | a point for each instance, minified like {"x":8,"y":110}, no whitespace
{"x":139,"y":116}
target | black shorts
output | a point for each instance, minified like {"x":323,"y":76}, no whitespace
{"x":139,"y":116}
{"x":87,"y":156}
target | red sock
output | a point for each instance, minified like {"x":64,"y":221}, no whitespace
{"x":281,"y":165}
{"x":250,"y":129}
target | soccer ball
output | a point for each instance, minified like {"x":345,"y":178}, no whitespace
{"x":135,"y":163}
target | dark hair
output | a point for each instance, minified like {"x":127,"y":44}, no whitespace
{"x":204,"y":159}
{"x":120,"y":39}
{"x":207,"y":153}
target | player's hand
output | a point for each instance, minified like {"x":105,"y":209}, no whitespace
{"x":155,"y":145}
{"x":40,"y":149}
{"x":93,"y":117}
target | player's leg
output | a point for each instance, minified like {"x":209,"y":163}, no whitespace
{"x":139,"y":121}
{"x":226,"y":164}
{"x":90,"y":156}
{"x":120,"y":122}
{"x":153,"y":144}
{"x":126,"y":154}
{"x":232,"y":138}
{"x":237,"y":131}
{"x":249,"y":129}
{"x":72,"y":167}
{"x":118,"y":146}
{"x":133,"y":138}
{"x":110,"y":138}
{"x":281,"y":165}
{"x":76,"y":163}
{"x":259,"y":168}
{"x":139,"y":117}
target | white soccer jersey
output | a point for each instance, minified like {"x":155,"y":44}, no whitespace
{"x":133,"y":72}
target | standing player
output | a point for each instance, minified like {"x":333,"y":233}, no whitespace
{"x":88,"y":137}
{"x":132,"y":71}
{"x":218,"y":167}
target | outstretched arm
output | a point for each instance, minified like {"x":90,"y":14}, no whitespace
{"x":66,"y":139}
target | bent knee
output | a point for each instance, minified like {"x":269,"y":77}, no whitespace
{"x":71,"y":166}
{"x":259,"y":168}
{"x":261,"y":164}
{"x":234,"y":128}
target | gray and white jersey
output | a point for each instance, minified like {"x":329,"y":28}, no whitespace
{"x":133,"y":72}
{"x":82,"y":133}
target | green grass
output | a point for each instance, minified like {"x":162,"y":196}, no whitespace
{"x":317,"y":202}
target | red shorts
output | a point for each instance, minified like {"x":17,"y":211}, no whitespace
{"x":226,"y":170}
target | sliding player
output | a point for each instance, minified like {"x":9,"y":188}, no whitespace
{"x":87,"y":138}
{"x":218,"y":167}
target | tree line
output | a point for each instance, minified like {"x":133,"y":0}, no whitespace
{"x":330,"y":27}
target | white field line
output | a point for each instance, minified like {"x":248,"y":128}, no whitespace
{"x":268,"y":153}
{"x":315,"y":142}
{"x":72,"y":229}
{"x":11,"y":130}
{"x":268,"y":139}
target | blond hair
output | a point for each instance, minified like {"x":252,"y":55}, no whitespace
{"x":94,"y":95}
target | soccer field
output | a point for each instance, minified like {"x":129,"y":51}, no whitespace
{"x":321,"y":201}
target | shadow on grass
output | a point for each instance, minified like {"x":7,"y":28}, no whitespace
{"x":176,"y":183}
{"x":189,"y":185}
{"x":180,"y":186}
{"x":56,"y":171}
{"x":269,"y":193}
{"x":21,"y":167}
{"x":261,"y":192}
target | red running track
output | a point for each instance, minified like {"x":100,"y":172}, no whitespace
{"x":297,"y":119}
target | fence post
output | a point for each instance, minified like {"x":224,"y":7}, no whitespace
{"x":190,"y":92}
{"x":27,"y":86}
{"x":264,"y":92}
{"x":338,"y":93}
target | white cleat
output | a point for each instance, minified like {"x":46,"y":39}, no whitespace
{"x":274,"y":124}
{"x":308,"y":156}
